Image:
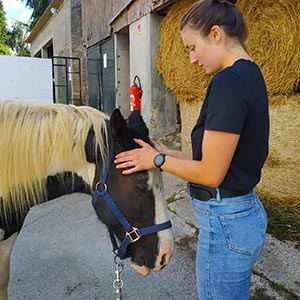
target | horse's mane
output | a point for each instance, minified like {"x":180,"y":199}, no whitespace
{"x":36,"y":140}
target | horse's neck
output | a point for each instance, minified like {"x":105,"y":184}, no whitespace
{"x":85,"y":170}
{"x":66,"y":183}
{"x":5,"y":251}
{"x":87,"y":173}
{"x":83,"y":160}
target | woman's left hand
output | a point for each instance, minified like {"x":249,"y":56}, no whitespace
{"x":137,"y":159}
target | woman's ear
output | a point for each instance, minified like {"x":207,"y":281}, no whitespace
{"x":216,"y":33}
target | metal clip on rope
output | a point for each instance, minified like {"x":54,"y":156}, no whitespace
{"x":118,"y":282}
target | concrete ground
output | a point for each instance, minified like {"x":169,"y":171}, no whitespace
{"x":63,"y":252}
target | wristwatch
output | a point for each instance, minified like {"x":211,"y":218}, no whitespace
{"x":159,"y":160}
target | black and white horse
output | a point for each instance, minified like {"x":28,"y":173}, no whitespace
{"x":50,"y":150}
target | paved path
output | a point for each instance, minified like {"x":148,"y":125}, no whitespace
{"x":64,"y":253}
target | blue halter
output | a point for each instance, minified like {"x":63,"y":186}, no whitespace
{"x":132,"y":234}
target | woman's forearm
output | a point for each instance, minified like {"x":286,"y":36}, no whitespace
{"x":178,"y":154}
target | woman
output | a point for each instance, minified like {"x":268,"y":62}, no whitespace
{"x":229,"y":148}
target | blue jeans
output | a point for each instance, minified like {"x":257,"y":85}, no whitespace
{"x":231,"y":237}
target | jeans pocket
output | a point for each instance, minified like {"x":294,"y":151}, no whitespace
{"x":200,"y":207}
{"x":244,"y":231}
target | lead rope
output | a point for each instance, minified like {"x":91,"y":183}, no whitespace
{"x":118,"y":282}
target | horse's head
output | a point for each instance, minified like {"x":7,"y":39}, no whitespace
{"x":139,"y":197}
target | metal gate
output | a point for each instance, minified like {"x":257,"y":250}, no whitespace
{"x":101,"y":76}
{"x":66,"y":74}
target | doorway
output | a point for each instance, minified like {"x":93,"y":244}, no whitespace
{"x":101,"y":76}
{"x":66,"y":74}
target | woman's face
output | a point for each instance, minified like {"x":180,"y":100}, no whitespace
{"x":203,"y":50}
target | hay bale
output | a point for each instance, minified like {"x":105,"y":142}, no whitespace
{"x":189,"y":112}
{"x":188,"y":82}
{"x":281,"y":177}
{"x":273,"y":43}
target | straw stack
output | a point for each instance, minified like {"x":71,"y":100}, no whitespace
{"x":274,"y":41}
{"x":281,"y":176}
{"x":188,"y":82}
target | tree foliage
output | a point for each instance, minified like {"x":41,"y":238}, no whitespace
{"x":17,"y":37}
{"x":38,"y":7}
{"x":4,"y":49}
{"x":12,"y":40}
{"x":3,"y":29}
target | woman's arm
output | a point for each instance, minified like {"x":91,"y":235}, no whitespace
{"x":184,"y":155}
{"x":171,"y":152}
{"x":217,"y":152}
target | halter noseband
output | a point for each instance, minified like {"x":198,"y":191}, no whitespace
{"x":132,"y":234}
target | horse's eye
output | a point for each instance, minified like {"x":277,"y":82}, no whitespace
{"x":143,"y":188}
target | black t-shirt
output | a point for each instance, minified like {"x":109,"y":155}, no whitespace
{"x":237,"y":102}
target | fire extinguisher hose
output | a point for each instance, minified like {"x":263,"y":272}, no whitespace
{"x":136,"y":78}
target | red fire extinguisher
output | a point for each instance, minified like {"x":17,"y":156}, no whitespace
{"x":136,"y":93}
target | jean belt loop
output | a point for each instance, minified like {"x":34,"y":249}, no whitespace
{"x":218,"y":195}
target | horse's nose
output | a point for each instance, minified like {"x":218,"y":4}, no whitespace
{"x":141,"y":269}
{"x":141,"y":261}
{"x":166,"y":250}
{"x":163,"y":261}
{"x":146,"y":259}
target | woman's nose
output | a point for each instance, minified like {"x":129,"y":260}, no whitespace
{"x":193,"y":59}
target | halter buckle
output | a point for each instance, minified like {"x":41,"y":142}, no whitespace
{"x":133,"y":235}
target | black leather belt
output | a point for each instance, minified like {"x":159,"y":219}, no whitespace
{"x":205,"y":193}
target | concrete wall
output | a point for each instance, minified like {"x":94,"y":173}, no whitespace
{"x":76,"y":48}
{"x":63,"y":31}
{"x":158,"y":105}
{"x":58,"y":30}
{"x":76,"y":28}
{"x":123,"y":81}
{"x":97,"y":15}
{"x":26,"y":78}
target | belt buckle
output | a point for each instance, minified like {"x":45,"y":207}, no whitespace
{"x":209,"y":194}
{"x":200,"y":193}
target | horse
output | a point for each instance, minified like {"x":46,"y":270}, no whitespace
{"x":50,"y":150}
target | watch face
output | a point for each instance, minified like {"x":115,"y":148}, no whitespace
{"x":159,"y":160}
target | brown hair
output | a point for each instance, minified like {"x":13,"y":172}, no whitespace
{"x":203,"y":15}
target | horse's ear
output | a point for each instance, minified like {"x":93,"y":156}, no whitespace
{"x":118,"y":128}
{"x":117,"y":124}
{"x":137,"y":126}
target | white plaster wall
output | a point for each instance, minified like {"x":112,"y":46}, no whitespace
{"x":140,"y":61}
{"x":26,"y":78}
{"x":158,"y":105}
{"x":123,"y":81}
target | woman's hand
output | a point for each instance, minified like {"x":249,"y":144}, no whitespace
{"x":137,"y":159}
{"x":159,"y":147}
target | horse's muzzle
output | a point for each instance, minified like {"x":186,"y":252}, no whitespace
{"x":141,"y":269}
